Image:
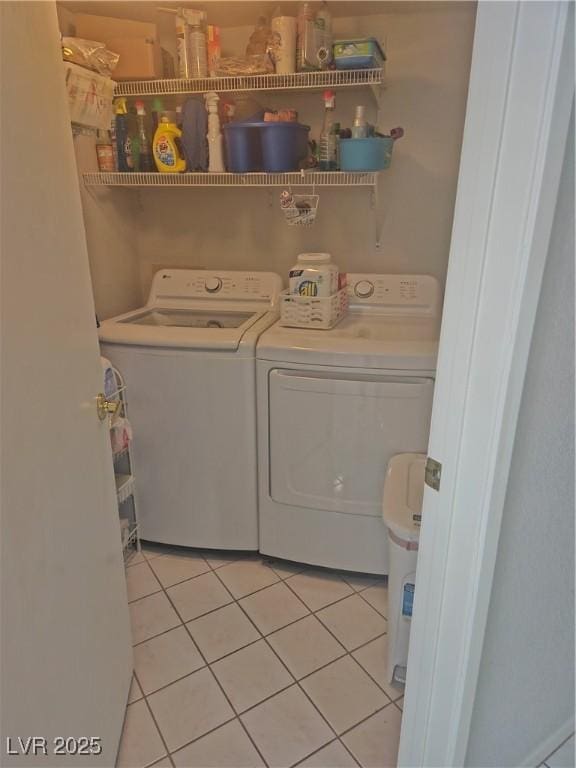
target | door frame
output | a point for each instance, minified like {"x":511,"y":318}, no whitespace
{"x":520,"y":98}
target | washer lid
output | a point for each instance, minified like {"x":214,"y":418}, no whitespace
{"x":360,"y":340}
{"x":188,"y":318}
{"x":156,"y":326}
{"x":403,"y":493}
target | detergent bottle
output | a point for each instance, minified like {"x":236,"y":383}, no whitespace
{"x":166,"y":147}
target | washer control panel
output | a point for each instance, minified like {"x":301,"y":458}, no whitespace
{"x":395,"y":294}
{"x":364,"y":289}
{"x":174,"y":284}
{"x":213,"y":284}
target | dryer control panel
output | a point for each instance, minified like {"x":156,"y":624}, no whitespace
{"x":183,"y":284}
{"x":395,"y":294}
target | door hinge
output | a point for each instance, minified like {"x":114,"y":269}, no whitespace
{"x":433,"y":473}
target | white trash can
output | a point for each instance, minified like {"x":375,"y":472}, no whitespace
{"x":401,"y":508}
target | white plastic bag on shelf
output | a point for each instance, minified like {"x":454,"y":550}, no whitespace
{"x":89,"y":96}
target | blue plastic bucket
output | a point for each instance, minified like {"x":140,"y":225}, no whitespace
{"x":372,"y":154}
{"x":284,"y":145}
{"x":243,"y":147}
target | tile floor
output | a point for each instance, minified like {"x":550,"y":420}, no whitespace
{"x":563,"y":757}
{"x":243,"y":662}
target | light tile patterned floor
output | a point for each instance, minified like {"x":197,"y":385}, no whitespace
{"x":562,"y":757}
{"x":242,"y":662}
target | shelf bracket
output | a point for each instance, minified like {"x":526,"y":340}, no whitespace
{"x":377,"y":90}
{"x":377,"y":212}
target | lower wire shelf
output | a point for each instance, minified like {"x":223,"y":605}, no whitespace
{"x":124,"y":487}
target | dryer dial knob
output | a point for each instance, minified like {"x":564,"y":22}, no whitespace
{"x":364,"y":289}
{"x":213,"y":284}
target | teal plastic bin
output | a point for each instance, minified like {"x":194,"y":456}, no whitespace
{"x":371,"y":154}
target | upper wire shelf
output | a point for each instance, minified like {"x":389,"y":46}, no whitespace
{"x":310,"y":178}
{"x":296,"y":81}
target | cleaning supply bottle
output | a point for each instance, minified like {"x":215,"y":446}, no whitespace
{"x":197,"y":46}
{"x":182,"y":42}
{"x":214,"y":136}
{"x":157,"y":110}
{"x":104,"y":152}
{"x":123,"y":141}
{"x":114,"y":142}
{"x":328,"y":139}
{"x":360,"y":128}
{"x":167,"y":153}
{"x":134,"y":138}
{"x":304,"y":37}
{"x":146,"y":164}
{"x":324,"y":34}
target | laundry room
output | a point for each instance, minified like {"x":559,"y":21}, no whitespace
{"x":264,"y":196}
{"x":251,"y":439}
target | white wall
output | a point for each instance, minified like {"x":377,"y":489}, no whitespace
{"x":525,"y":693}
{"x":429,"y":49}
{"x":111,"y":221}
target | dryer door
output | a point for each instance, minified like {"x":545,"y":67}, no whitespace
{"x":332,"y":435}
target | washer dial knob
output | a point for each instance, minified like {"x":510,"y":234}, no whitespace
{"x":213,"y":284}
{"x":364,"y":289}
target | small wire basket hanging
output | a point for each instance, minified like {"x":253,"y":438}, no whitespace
{"x":299,"y":209}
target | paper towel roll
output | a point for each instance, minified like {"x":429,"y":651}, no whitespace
{"x":284,"y":27}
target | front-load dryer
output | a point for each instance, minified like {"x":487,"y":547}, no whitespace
{"x":333,"y":407}
{"x":188,"y":359}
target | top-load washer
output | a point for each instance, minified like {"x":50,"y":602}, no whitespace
{"x":188,"y":359}
{"x":333,"y":407}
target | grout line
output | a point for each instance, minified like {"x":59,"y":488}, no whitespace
{"x":137,"y":599}
{"x":215,"y":679}
{"x":316,"y":751}
{"x":350,"y":653}
{"x":371,"y":606}
{"x":153,"y":637}
{"x":211,"y":570}
{"x":287,"y":670}
{"x":332,"y":741}
{"x":182,"y":581}
{"x":193,"y":741}
{"x":349,"y":752}
{"x":176,"y":680}
{"x":156,"y":724}
{"x":345,"y":652}
{"x":361,"y":722}
{"x":550,"y":754}
{"x":339,"y":600}
{"x":263,"y":637}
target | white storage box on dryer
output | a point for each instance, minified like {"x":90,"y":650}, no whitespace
{"x":312,"y":311}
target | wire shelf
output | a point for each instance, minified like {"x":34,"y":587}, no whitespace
{"x":124,"y":487}
{"x":130,"y":543}
{"x":317,"y":178}
{"x":296,"y":81}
